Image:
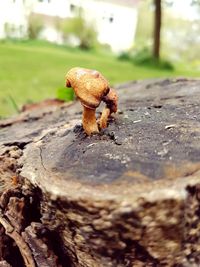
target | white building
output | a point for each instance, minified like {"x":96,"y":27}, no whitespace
{"x":115,"y":20}
{"x":13,"y":18}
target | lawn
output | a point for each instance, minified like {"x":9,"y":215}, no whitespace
{"x":32,"y":71}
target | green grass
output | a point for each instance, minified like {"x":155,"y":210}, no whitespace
{"x":32,"y":71}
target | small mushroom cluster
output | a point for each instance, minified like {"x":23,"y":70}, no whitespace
{"x":91,"y":88}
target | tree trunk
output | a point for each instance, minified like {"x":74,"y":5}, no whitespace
{"x":157,"y":28}
{"x":128,"y":196}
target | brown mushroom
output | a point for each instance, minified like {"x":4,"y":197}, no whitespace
{"x":90,"y":87}
{"x":111,"y":107}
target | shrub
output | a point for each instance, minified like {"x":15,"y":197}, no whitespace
{"x":125,"y":56}
{"x":144,"y":57}
{"x":79,"y":29}
{"x":34,"y":26}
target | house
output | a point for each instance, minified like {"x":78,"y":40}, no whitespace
{"x":115,"y":20}
{"x":13,"y":19}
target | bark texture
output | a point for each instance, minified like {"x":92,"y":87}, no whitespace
{"x":128,"y":196}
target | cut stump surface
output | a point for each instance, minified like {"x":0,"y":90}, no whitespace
{"x":129,"y":196}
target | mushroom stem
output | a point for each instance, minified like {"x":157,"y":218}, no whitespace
{"x":104,"y":118}
{"x":111,"y":107}
{"x":89,"y":121}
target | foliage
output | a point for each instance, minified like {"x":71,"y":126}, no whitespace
{"x":180,"y":38}
{"x":34,"y":26}
{"x":145,"y":23}
{"x":195,"y":2}
{"x":13,"y":103}
{"x":81,"y":30}
{"x":124,"y":56}
{"x":66,"y":94}
{"x":143,"y":57}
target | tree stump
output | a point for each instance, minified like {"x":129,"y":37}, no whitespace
{"x":129,"y":196}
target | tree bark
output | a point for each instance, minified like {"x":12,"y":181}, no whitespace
{"x":157,"y":28}
{"x":127,"y":196}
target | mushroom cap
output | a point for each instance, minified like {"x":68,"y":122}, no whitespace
{"x":89,"y":86}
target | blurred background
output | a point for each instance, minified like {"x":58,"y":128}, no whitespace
{"x":40,"y":40}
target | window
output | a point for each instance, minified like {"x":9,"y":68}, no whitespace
{"x":75,"y":10}
{"x":72,"y":7}
{"x":111,"y":19}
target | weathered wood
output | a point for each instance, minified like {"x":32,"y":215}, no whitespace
{"x":129,"y":196}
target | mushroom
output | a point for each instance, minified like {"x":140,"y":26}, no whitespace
{"x":90,"y":88}
{"x":111,"y":107}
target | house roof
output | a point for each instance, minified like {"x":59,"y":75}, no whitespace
{"x":130,"y":3}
